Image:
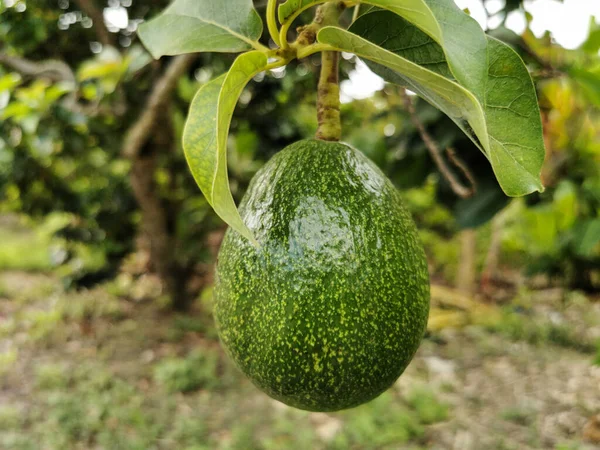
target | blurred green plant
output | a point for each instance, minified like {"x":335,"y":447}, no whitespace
{"x":65,"y":109}
{"x":24,"y":251}
{"x":428,"y":408}
{"x":380,"y":424}
{"x":559,"y":231}
{"x":7,"y":359}
{"x":520,"y":326}
{"x":10,"y":417}
{"x":52,"y":376}
{"x":197,"y":370}
{"x":520,"y":415}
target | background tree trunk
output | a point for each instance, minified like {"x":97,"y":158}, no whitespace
{"x":150,"y":136}
{"x":467,"y":270}
{"x":162,"y":245}
{"x":490,"y":269}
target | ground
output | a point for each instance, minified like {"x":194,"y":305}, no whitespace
{"x":112,"y":368}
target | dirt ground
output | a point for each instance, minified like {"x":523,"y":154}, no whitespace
{"x":111,"y":369}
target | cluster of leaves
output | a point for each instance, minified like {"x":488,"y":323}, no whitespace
{"x":56,"y":158}
{"x":61,"y":137}
{"x":559,"y":230}
{"x":430,"y":46}
{"x":60,"y":159}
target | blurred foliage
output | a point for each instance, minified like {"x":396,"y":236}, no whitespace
{"x":139,"y":392}
{"x":559,"y":230}
{"x":520,"y":326}
{"x":109,"y":368}
{"x":113,"y":377}
{"x":61,"y":144}
{"x":198,"y":370}
{"x":22,"y":251}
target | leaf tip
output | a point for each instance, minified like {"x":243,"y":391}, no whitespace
{"x":523,"y":190}
{"x":144,"y":35}
{"x":250,"y":236}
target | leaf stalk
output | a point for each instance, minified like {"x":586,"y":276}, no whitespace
{"x":272,"y":23}
{"x":328,"y":94}
{"x":328,"y":99}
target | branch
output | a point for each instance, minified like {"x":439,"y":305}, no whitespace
{"x":97,"y":16}
{"x":328,"y":94}
{"x":328,"y":99}
{"x":327,"y":14}
{"x":55,"y":71}
{"x":52,"y":69}
{"x":457,"y":187}
{"x":141,"y":130}
{"x":462,"y":166}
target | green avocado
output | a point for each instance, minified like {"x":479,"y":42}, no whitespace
{"x":331,"y":307}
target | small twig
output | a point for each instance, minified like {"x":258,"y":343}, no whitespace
{"x":141,"y":130}
{"x":55,"y":71}
{"x":328,"y":95}
{"x":95,"y":13}
{"x":272,"y":22}
{"x":462,"y":166}
{"x":455,"y":184}
{"x":547,"y":68}
{"x":328,"y":99}
{"x":356,"y":13}
{"x":52,"y":69}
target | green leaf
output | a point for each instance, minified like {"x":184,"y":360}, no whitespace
{"x":592,"y":44}
{"x":505,"y":124}
{"x":589,"y":80}
{"x":565,"y":205}
{"x":446,"y":95}
{"x":459,"y":35}
{"x":206,"y":132}
{"x":479,"y":209}
{"x":189,"y":26}
{"x":401,"y":37}
{"x":10,"y":81}
{"x":365,"y":9}
{"x":292,"y":8}
{"x":517,"y":150}
{"x":587,"y":238}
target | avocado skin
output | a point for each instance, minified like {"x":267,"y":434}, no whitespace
{"x":331,"y":307}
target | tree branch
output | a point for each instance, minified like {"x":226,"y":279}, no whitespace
{"x":328,"y":94}
{"x":151,"y":133}
{"x":462,"y":166}
{"x":54,"y":70}
{"x":97,"y":16}
{"x":455,"y":184}
{"x":328,"y":99}
{"x":141,"y":130}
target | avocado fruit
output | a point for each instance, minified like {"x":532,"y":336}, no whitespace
{"x":329,"y":309}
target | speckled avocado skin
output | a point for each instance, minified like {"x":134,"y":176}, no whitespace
{"x":327,"y":313}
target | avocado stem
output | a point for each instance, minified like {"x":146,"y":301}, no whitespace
{"x":328,"y":94}
{"x":328,"y":99}
{"x":272,"y":24}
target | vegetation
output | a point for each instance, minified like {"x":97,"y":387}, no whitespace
{"x":105,"y":239}
{"x":138,"y":377}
